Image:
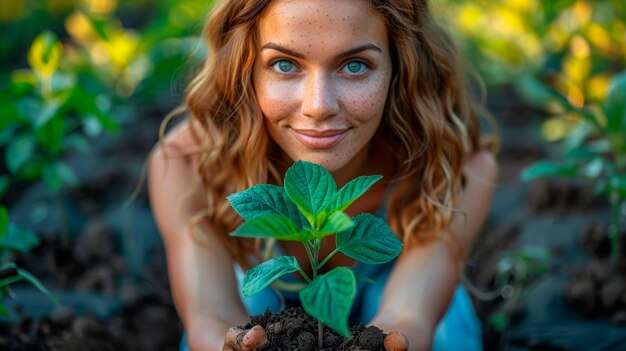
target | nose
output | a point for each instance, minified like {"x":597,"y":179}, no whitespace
{"x":320,"y":100}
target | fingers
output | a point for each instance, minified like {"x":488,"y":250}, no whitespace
{"x":255,"y":339}
{"x":396,"y":342}
{"x":239,"y":339}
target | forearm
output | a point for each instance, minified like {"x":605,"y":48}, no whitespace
{"x":418,"y":293}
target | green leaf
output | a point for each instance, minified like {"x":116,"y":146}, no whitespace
{"x":4,"y":312}
{"x":614,"y":106}
{"x":67,"y":174}
{"x":540,"y":94}
{"x":10,"y":274}
{"x":499,"y":321}
{"x":337,"y":222}
{"x":370,"y":241}
{"x":92,"y":126}
{"x":19,"y":152}
{"x":32,"y":280}
{"x":18,"y":239}
{"x":310,"y":187}
{"x":46,"y":112}
{"x":617,"y":185}
{"x":52,"y":135}
{"x":264,"y":274}
{"x":271,"y":225}
{"x":594,"y":168}
{"x":4,"y":221}
{"x":52,"y":178}
{"x":265,"y":198}
{"x":364,"y":278}
{"x":4,"y":185}
{"x":545,"y":169}
{"x":329,"y":298}
{"x":350,"y":192}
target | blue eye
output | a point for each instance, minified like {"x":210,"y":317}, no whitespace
{"x":355,"y":67}
{"x":283,"y":66}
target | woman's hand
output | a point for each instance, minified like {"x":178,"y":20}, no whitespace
{"x":239,"y":339}
{"x":395,"y":341}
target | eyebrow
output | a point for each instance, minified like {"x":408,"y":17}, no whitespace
{"x":356,"y":50}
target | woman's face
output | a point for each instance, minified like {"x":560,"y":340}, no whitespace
{"x":321,"y":78}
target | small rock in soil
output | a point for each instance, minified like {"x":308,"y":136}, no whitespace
{"x":62,"y":316}
{"x":306,"y":342}
{"x":599,"y":270}
{"x":596,"y":239}
{"x":88,"y":327}
{"x":611,"y":292}
{"x":581,"y":294}
{"x":371,"y":338}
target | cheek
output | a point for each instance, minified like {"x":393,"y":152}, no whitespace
{"x":368,"y":102}
{"x":274,"y":100}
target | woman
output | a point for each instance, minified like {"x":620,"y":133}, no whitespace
{"x":359,"y":87}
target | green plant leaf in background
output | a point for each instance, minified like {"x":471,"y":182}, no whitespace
{"x":32,"y":280}
{"x":350,"y":192}
{"x":4,"y":185}
{"x":4,"y":221}
{"x":370,"y":241}
{"x":615,"y":104}
{"x":271,"y":225}
{"x":18,"y":239}
{"x":19,"y":152}
{"x":259,"y":277}
{"x":45,"y":53}
{"x":546,"y":169}
{"x":265,"y":198}
{"x":311,"y":188}
{"x":329,"y":298}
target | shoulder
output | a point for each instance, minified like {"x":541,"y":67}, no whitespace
{"x":172,"y":171}
{"x":481,"y":173}
{"x":483,"y":164}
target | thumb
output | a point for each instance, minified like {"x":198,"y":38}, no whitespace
{"x":255,"y":339}
{"x":395,"y":341}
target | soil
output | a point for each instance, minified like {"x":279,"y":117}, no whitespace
{"x":294,"y":330}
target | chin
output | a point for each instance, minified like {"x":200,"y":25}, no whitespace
{"x":328,"y":161}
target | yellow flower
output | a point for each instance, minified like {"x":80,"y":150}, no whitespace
{"x":45,"y":54}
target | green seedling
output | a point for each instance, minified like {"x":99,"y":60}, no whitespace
{"x":307,"y":209}
{"x":16,"y":240}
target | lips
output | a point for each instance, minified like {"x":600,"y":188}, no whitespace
{"x":315,"y":139}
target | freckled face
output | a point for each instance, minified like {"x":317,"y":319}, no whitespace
{"x":321,"y":78}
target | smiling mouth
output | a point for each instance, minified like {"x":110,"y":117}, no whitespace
{"x":319,"y":139}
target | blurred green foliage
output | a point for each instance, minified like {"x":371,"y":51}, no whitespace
{"x":15,"y":240}
{"x":89,"y":67}
{"x":567,"y":57}
{"x":72,"y":70}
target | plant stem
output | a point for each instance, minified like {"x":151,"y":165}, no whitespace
{"x":330,"y":255}
{"x":314,"y":267}
{"x":306,"y":277}
{"x":320,"y":335}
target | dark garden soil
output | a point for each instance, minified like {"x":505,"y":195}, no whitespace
{"x":294,"y":330}
{"x":106,"y":266}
